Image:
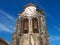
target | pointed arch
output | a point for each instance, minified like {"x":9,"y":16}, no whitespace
{"x":35,"y":25}
{"x":25,"y":26}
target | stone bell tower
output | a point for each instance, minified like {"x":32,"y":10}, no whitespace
{"x":30,"y":27}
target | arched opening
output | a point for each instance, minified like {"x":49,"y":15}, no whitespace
{"x":35,"y":25}
{"x":25,"y":26}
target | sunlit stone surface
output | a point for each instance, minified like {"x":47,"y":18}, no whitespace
{"x":30,"y":27}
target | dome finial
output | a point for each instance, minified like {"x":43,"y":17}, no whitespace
{"x":30,"y":4}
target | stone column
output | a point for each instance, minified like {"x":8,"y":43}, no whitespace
{"x":30,"y":25}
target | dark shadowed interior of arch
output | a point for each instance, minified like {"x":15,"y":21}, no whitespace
{"x":25,"y":26}
{"x":35,"y":25}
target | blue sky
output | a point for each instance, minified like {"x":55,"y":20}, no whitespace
{"x":9,"y":13}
